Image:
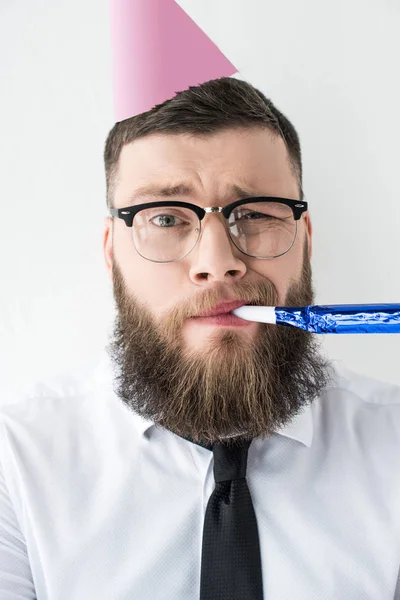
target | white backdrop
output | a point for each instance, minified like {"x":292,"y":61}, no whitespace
{"x":332,"y":68}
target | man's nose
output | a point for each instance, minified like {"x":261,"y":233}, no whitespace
{"x":215,"y":257}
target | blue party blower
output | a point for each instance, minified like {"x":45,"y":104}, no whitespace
{"x":334,"y":318}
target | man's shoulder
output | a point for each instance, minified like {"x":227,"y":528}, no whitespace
{"x":361,"y":411}
{"x":369,"y":389}
{"x":57,"y":394}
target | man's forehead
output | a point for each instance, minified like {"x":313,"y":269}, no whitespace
{"x":166,"y":167}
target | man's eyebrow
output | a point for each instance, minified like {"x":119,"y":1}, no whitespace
{"x":235,"y":192}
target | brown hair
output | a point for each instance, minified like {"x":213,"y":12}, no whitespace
{"x":208,"y":108}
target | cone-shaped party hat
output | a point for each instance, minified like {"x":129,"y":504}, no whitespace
{"x":158,"y":50}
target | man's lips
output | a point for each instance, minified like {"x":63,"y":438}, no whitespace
{"x":223,"y":308}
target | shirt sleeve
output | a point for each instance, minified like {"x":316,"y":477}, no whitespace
{"x":15,"y":573}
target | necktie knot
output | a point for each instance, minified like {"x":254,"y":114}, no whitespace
{"x":230,"y":462}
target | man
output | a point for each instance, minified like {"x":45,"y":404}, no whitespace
{"x":197,"y":379}
{"x":104,"y":485}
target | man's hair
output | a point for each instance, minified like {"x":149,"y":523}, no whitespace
{"x":213,"y":106}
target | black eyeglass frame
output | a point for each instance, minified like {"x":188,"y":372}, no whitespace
{"x":128,"y":212}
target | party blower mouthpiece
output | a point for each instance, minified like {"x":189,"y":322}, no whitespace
{"x":334,"y":318}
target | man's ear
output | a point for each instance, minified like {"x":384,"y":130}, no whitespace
{"x":309,"y":231}
{"x":108,"y":245}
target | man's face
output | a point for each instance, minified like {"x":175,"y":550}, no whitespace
{"x":202,"y":381}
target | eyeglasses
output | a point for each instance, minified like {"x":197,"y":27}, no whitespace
{"x":167,"y":231}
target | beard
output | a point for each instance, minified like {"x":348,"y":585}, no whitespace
{"x":238,"y":387}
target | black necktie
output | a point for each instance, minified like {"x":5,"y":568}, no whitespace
{"x":231,"y":559}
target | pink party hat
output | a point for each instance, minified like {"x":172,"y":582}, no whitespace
{"x":158,"y":50}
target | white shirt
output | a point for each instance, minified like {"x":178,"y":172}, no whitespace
{"x":98,"y":504}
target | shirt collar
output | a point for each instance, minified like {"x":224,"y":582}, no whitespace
{"x":300,"y":428}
